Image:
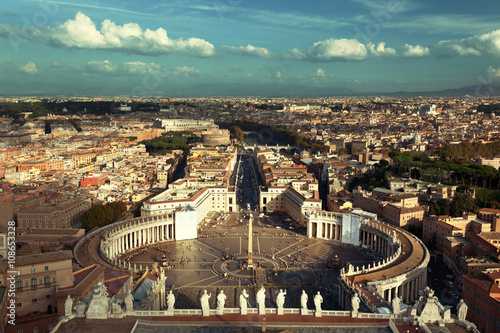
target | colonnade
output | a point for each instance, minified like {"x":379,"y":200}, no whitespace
{"x":137,"y":233}
{"x":407,"y":291}
{"x":325,"y":225}
{"x":377,"y":241}
{"x":388,"y":242}
{"x":138,"y":237}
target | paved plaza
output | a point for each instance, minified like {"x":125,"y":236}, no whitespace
{"x":284,"y":257}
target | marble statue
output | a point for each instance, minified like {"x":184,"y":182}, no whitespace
{"x":99,"y":303}
{"x":116,"y":309}
{"x":221,"y":301}
{"x":129,"y":301}
{"x":205,"y":307}
{"x":244,"y":302}
{"x":462,"y":310}
{"x":261,"y":300}
{"x":80,"y":309}
{"x":318,"y":299}
{"x":68,"y":306}
{"x":303,"y":300}
{"x":170,"y":300}
{"x":280,"y":301}
{"x":355,"y":303}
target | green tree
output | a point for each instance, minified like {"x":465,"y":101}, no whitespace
{"x":237,"y":132}
{"x":101,"y":215}
{"x":461,"y":203}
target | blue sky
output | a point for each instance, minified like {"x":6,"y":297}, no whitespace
{"x":242,"y":47}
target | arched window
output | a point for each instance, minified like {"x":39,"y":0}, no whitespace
{"x":19,"y":284}
{"x":33,"y":281}
{"x":46,"y":279}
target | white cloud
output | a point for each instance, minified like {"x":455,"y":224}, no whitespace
{"x":493,"y":73}
{"x":414,"y":51}
{"x":82,"y":32}
{"x":320,"y":72}
{"x":138,"y":67}
{"x":278,"y":75}
{"x":295,"y":54}
{"x":102,"y":66}
{"x":29,"y":68}
{"x":260,"y":52}
{"x":337,"y":50}
{"x":480,"y":45}
{"x":134,"y":67}
{"x":184,"y":70}
{"x":380,"y":50}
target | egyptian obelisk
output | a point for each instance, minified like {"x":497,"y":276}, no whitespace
{"x":250,"y":241}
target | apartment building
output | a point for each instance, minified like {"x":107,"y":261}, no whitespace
{"x":481,"y":292}
{"x":65,"y":214}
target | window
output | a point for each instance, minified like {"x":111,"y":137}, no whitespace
{"x":32,"y":270}
{"x":47,"y":296}
{"x":35,"y":329}
{"x":1,"y":242}
{"x":46,"y":268}
{"x":34,"y":300}
{"x":46,"y":279}
{"x":33,"y":281}
{"x":19,"y":284}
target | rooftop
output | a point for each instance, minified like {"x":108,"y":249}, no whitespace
{"x":31,"y":259}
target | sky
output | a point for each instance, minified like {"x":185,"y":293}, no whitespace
{"x":182,"y":48}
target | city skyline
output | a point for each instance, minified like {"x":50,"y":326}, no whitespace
{"x":236,"y":47}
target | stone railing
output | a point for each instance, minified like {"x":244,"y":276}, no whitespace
{"x":213,"y":312}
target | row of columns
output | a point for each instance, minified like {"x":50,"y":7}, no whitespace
{"x":325,"y":230}
{"x":377,"y":243}
{"x":140,"y":237}
{"x":408,"y":291}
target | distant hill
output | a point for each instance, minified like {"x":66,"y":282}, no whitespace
{"x":11,"y":88}
{"x":479,"y":90}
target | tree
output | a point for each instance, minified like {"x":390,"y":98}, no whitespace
{"x":461,"y":203}
{"x":342,"y":151}
{"x":237,"y":132}
{"x":325,"y":149}
{"x":101,"y":215}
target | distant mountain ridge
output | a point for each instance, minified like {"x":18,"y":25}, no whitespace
{"x":10,"y":88}
{"x":479,"y":90}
